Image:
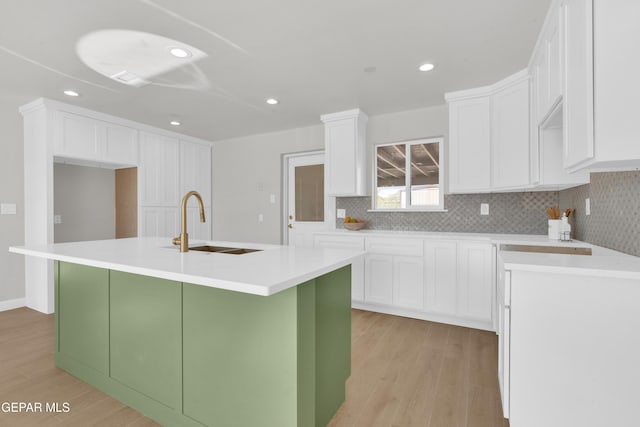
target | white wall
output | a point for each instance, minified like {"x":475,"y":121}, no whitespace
{"x":85,"y":198}
{"x":11,"y":191}
{"x":247,"y":170}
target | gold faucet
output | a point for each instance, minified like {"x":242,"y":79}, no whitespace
{"x":183,"y":238}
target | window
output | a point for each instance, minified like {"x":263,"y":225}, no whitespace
{"x":409,"y":176}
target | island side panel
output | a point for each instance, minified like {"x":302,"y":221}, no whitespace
{"x":240,"y":357}
{"x":307,"y":354}
{"x":333,"y":342}
{"x":83,"y":315}
{"x":146,"y":336}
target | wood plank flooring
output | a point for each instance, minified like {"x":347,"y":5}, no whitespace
{"x":405,"y":373}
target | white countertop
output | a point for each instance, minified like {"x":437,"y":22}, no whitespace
{"x":273,"y":269}
{"x":602,"y":263}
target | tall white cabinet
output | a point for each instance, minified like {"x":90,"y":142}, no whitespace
{"x":168,"y":164}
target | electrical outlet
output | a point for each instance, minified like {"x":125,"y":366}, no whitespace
{"x":341,"y":213}
{"x":7,"y":209}
{"x":587,"y":206}
{"x":484,"y":208}
{"x":272,"y":199}
{"x":260,"y":218}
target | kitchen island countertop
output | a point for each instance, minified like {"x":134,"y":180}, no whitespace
{"x":268,"y":271}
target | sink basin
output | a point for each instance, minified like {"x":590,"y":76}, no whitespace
{"x":223,"y":250}
{"x":569,"y":250}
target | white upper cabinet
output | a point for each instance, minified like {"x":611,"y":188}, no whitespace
{"x":547,"y":66}
{"x":346,"y":171}
{"x":601,"y":84}
{"x":578,"y":84}
{"x":120,"y":144}
{"x":510,"y":134}
{"x":489,"y":137}
{"x":470,"y":144}
{"x":195,"y":168}
{"x":86,"y":139}
{"x":158,"y":173}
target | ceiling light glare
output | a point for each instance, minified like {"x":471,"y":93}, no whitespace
{"x":179,"y":52}
{"x":272,"y":101}
{"x":71,"y":93}
{"x":426,"y":67}
{"x":175,"y":123}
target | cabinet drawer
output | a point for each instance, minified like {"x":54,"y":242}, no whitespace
{"x":406,"y":247}
{"x":339,"y":242}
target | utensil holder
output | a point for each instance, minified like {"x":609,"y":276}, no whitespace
{"x":554,"y":229}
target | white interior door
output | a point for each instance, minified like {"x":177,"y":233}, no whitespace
{"x":307,"y":209}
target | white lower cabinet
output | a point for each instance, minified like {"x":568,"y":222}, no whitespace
{"x":476,"y":281}
{"x":378,"y":279}
{"x":442,"y":276}
{"x":357,"y":268}
{"x":408,"y":282}
{"x":448,"y":280}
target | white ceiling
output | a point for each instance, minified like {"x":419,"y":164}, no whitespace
{"x":311,"y":55}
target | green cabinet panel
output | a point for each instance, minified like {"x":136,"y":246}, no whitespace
{"x":146,"y":336}
{"x":83,"y":315}
{"x":307,"y":354}
{"x":240,"y":357}
{"x":333,"y":342}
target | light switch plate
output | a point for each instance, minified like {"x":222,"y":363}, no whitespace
{"x":260,"y":218}
{"x":341,"y":213}
{"x":272,"y":199}
{"x":587,"y":206}
{"x":8,"y":209}
{"x":57,"y":219}
{"x":484,"y":208}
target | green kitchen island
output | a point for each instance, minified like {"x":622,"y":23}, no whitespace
{"x":258,"y":339}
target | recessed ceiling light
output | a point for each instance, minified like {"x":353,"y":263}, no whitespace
{"x":71,"y":93}
{"x":272,"y":101}
{"x":175,"y":123}
{"x":426,"y":67}
{"x":178,"y":52}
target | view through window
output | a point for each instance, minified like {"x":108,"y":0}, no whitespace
{"x":408,"y":175}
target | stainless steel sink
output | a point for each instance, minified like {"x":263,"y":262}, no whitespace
{"x":569,"y":250}
{"x":223,"y":250}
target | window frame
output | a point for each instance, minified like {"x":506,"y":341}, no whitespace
{"x":441,"y":176}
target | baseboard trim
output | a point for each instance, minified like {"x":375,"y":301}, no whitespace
{"x":432,"y":317}
{"x":12,"y":303}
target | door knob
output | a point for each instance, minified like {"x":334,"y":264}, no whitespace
{"x":290,"y":225}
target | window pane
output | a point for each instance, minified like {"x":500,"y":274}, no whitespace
{"x":425,"y":174}
{"x":391,"y":177}
{"x":309,"y":193}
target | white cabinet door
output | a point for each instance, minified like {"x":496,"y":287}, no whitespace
{"x":357,"y":267}
{"x":346,"y":153}
{"x":195,"y":161}
{"x":159,"y":222}
{"x":441,"y":276}
{"x":76,"y":137}
{"x":470,"y":145}
{"x":119,"y":144}
{"x":379,"y":279}
{"x":158,"y":175}
{"x":475,"y":281}
{"x":510,"y":136}
{"x":408,"y":282}
{"x":578,"y":82}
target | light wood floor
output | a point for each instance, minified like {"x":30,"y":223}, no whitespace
{"x":405,"y":373}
